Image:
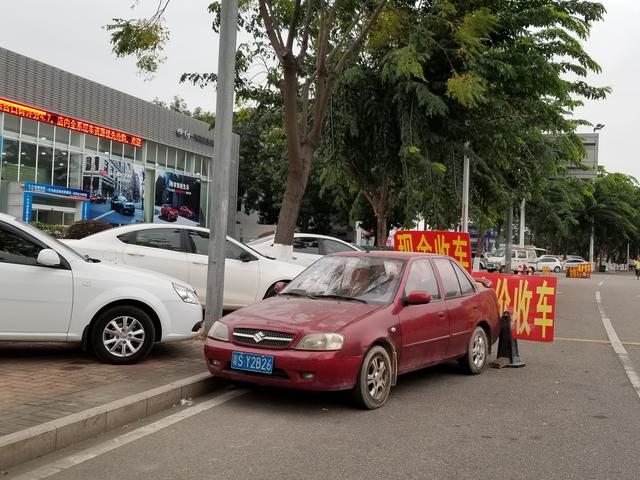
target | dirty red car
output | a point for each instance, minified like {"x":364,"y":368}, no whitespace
{"x":357,"y":320}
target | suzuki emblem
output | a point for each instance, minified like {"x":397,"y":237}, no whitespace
{"x":258,"y":337}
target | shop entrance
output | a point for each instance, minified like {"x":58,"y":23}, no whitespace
{"x":54,"y":205}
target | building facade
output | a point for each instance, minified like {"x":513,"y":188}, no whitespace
{"x":73,"y":148}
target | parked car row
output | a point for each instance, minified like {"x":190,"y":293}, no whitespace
{"x":352,"y":320}
{"x":526,"y":258}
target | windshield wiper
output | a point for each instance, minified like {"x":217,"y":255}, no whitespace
{"x":341,"y":297}
{"x":297,"y":292}
{"x":92,"y":260}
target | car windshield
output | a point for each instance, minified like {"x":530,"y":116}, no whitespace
{"x":364,"y":278}
{"x":499,"y":253}
{"x":58,"y":243}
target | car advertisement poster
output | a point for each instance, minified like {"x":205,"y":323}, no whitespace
{"x":116,"y":190}
{"x":177,"y":199}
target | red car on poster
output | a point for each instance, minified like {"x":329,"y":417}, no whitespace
{"x":357,"y":320}
{"x":169,"y":213}
{"x":185,"y":212}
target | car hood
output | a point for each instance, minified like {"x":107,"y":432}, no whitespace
{"x":300,"y":315}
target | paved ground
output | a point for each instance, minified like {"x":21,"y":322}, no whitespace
{"x":43,"y":382}
{"x":571,"y":413}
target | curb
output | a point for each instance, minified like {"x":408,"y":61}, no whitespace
{"x":33,"y":442}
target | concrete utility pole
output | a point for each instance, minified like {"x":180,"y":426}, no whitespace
{"x":465,"y":190}
{"x":222,"y":151}
{"x":591,"y":247}
{"x":522,"y":204}
{"x":509,"y":236}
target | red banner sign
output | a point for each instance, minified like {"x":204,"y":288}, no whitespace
{"x":453,"y":244}
{"x":66,"y":122}
{"x":531,"y":300}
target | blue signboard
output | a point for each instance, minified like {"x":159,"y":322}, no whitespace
{"x":40,"y":190}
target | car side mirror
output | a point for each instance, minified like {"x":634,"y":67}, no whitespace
{"x":48,"y":258}
{"x":418,"y":298}
{"x":279,"y":287}
{"x":246,"y":257}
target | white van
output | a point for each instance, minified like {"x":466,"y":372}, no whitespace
{"x":526,"y":256}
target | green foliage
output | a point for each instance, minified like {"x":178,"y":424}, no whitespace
{"x":143,"y":38}
{"x":56,"y":231}
{"x":84,"y":228}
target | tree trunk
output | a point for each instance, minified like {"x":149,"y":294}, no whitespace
{"x":381,"y":232}
{"x":480,"y":245}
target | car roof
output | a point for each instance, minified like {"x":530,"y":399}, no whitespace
{"x":270,"y":237}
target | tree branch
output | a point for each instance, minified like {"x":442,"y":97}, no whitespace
{"x":359,"y":39}
{"x":272,"y":33}
{"x":293,"y":25}
{"x":305,"y":35}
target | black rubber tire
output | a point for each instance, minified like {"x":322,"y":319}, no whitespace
{"x":467,"y":362}
{"x":557,"y":269}
{"x":271,"y":291}
{"x":361,"y":394}
{"x":501,"y":269}
{"x":112,"y":313}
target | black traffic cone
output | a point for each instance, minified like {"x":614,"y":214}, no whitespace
{"x":508,"y":355}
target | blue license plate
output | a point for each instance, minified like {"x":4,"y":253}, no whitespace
{"x":251,"y":362}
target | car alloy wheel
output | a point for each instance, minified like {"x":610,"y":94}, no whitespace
{"x":475,"y":359}
{"x":123,"y":336}
{"x":374,"y":379}
{"x":557,"y":269}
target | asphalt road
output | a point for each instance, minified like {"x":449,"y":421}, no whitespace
{"x":571,"y":413}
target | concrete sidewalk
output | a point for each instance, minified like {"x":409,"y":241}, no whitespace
{"x":47,"y":388}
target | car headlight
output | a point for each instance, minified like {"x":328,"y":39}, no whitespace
{"x":186,"y":294}
{"x":219,"y":331}
{"x":321,"y":341}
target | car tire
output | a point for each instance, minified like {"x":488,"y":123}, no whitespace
{"x":475,"y":359}
{"x":501,"y":269}
{"x":136,"y":328}
{"x":374,"y":379}
{"x":557,"y":269}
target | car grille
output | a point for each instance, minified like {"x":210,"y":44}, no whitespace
{"x":262,"y":338}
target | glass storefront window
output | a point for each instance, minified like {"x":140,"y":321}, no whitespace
{"x":60,"y":165}
{"x":162,"y":156}
{"x":171,"y":158}
{"x":151,"y":152}
{"x":29,"y":129}
{"x":116,"y":150}
{"x":90,"y":143}
{"x":181,"y":160}
{"x":75,"y":170}
{"x":105,"y":147}
{"x":190,"y":161}
{"x":27,"y":162}
{"x":76,"y":139}
{"x":62,"y":136}
{"x":11,"y":124}
{"x":129,"y":152}
{"x":197,"y":167}
{"x":45,"y":133}
{"x":205,"y":166}
{"x":10,"y":156}
{"x":45,"y":164}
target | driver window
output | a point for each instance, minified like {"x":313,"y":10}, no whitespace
{"x":422,"y":278}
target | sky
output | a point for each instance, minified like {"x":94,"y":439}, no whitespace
{"x":68,"y":34}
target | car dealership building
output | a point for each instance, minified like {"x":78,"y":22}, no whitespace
{"x":74,"y":149}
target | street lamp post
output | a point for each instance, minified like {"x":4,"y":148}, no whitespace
{"x":222,"y":151}
{"x":465,"y":190}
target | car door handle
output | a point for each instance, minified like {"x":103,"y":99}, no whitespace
{"x":136,"y":254}
{"x":441,"y":315}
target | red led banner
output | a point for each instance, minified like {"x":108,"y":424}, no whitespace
{"x":66,"y":122}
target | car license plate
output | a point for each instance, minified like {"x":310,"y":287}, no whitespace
{"x":251,"y":362}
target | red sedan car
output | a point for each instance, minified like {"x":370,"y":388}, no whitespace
{"x":357,"y":320}
{"x":169,"y":213}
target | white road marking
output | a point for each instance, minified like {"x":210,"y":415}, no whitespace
{"x":615,"y":342}
{"x":105,"y":447}
{"x":103,"y":215}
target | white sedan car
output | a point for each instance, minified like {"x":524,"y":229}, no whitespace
{"x":307,"y":247}
{"x":553,"y":263}
{"x":181,"y":251}
{"x":49,"y":292}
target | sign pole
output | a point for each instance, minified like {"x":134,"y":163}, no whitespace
{"x":222,"y":151}
{"x":465,"y":190}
